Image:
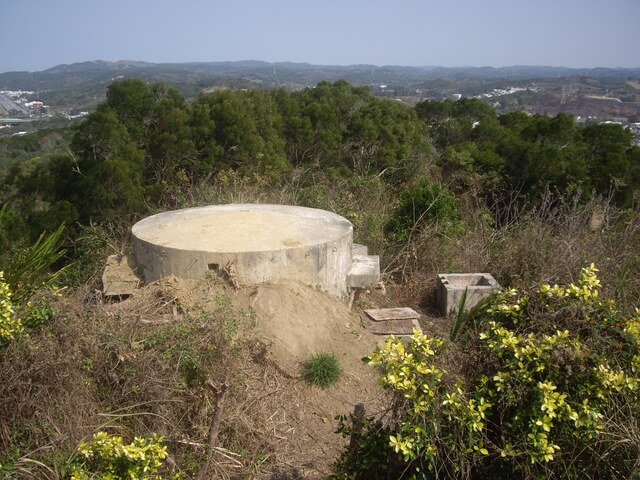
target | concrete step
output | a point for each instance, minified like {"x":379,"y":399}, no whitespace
{"x":119,"y":277}
{"x":359,"y":249}
{"x":365,"y":271}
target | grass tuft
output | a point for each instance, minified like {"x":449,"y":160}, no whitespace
{"x":322,"y":369}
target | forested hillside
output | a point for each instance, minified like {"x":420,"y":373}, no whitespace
{"x":445,"y":186}
{"x":145,"y":144}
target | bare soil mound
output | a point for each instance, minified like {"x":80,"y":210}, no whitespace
{"x":279,"y":326}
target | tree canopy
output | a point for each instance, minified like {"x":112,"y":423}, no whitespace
{"x":145,"y":140}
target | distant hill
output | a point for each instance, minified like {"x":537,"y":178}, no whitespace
{"x":285,"y":74}
{"x":82,"y":86}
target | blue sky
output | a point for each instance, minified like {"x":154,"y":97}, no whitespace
{"x":38,"y":34}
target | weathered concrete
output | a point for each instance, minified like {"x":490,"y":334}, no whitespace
{"x":248,"y":244}
{"x":392,"y":321}
{"x":364,"y":272}
{"x":359,"y":249}
{"x":119,"y":277}
{"x":398,"y":313}
{"x":451,"y":287}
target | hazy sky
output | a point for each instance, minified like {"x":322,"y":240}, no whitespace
{"x":38,"y":34}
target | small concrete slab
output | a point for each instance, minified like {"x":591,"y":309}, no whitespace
{"x":383,"y":314}
{"x":119,"y":277}
{"x":400,"y":321}
{"x":364,"y":272}
{"x":451,"y":288}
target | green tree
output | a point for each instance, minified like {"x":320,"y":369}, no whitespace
{"x":608,"y":147}
{"x":108,"y":170}
{"x":356,"y":132}
{"x":385,"y":136}
{"x":133,"y":103}
{"x":245,"y":131}
{"x":170,"y":147}
{"x":452,"y":122}
{"x":295,"y":128}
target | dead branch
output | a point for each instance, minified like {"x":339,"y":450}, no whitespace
{"x":220,"y":390}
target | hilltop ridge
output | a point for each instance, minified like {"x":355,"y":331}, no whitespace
{"x":299,"y":74}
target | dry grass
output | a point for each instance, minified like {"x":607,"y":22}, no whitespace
{"x":143,"y":369}
{"x":138,"y":373}
{"x":549,"y":243}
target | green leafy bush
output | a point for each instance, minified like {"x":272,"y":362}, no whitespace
{"x":38,"y":314}
{"x":548,"y":388}
{"x":10,"y":326}
{"x":31,"y":269}
{"x":109,"y":458}
{"x":322,"y":369}
{"x":425,"y":203}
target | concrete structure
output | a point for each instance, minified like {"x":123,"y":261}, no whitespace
{"x":119,"y":278}
{"x":364,"y":272}
{"x":392,"y":321}
{"x":451,"y":288}
{"x":248,"y":244}
{"x":358,"y":249}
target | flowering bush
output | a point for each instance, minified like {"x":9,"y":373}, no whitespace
{"x":10,"y":326}
{"x":554,"y":391}
{"x":108,"y":458}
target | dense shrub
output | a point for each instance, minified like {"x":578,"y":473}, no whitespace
{"x":425,"y":202}
{"x":10,"y":326}
{"x":108,"y":457}
{"x":548,"y":389}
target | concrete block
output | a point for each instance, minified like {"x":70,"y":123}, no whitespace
{"x":119,"y":277}
{"x":451,"y":287}
{"x":364,"y":272}
{"x":358,"y":249}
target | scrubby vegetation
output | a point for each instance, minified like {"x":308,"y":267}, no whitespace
{"x":446,"y":186}
{"x":10,"y":326}
{"x":90,"y":370}
{"x":547,"y":388}
{"x":109,"y":458}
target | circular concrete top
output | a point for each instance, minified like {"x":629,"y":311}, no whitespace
{"x":242,"y":228}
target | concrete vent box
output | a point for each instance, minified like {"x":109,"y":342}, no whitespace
{"x":451,"y":287}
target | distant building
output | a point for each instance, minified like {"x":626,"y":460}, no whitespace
{"x":35,"y":105}
{"x":77,"y":115}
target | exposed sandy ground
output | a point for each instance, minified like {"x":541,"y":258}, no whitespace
{"x":288,"y":322}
